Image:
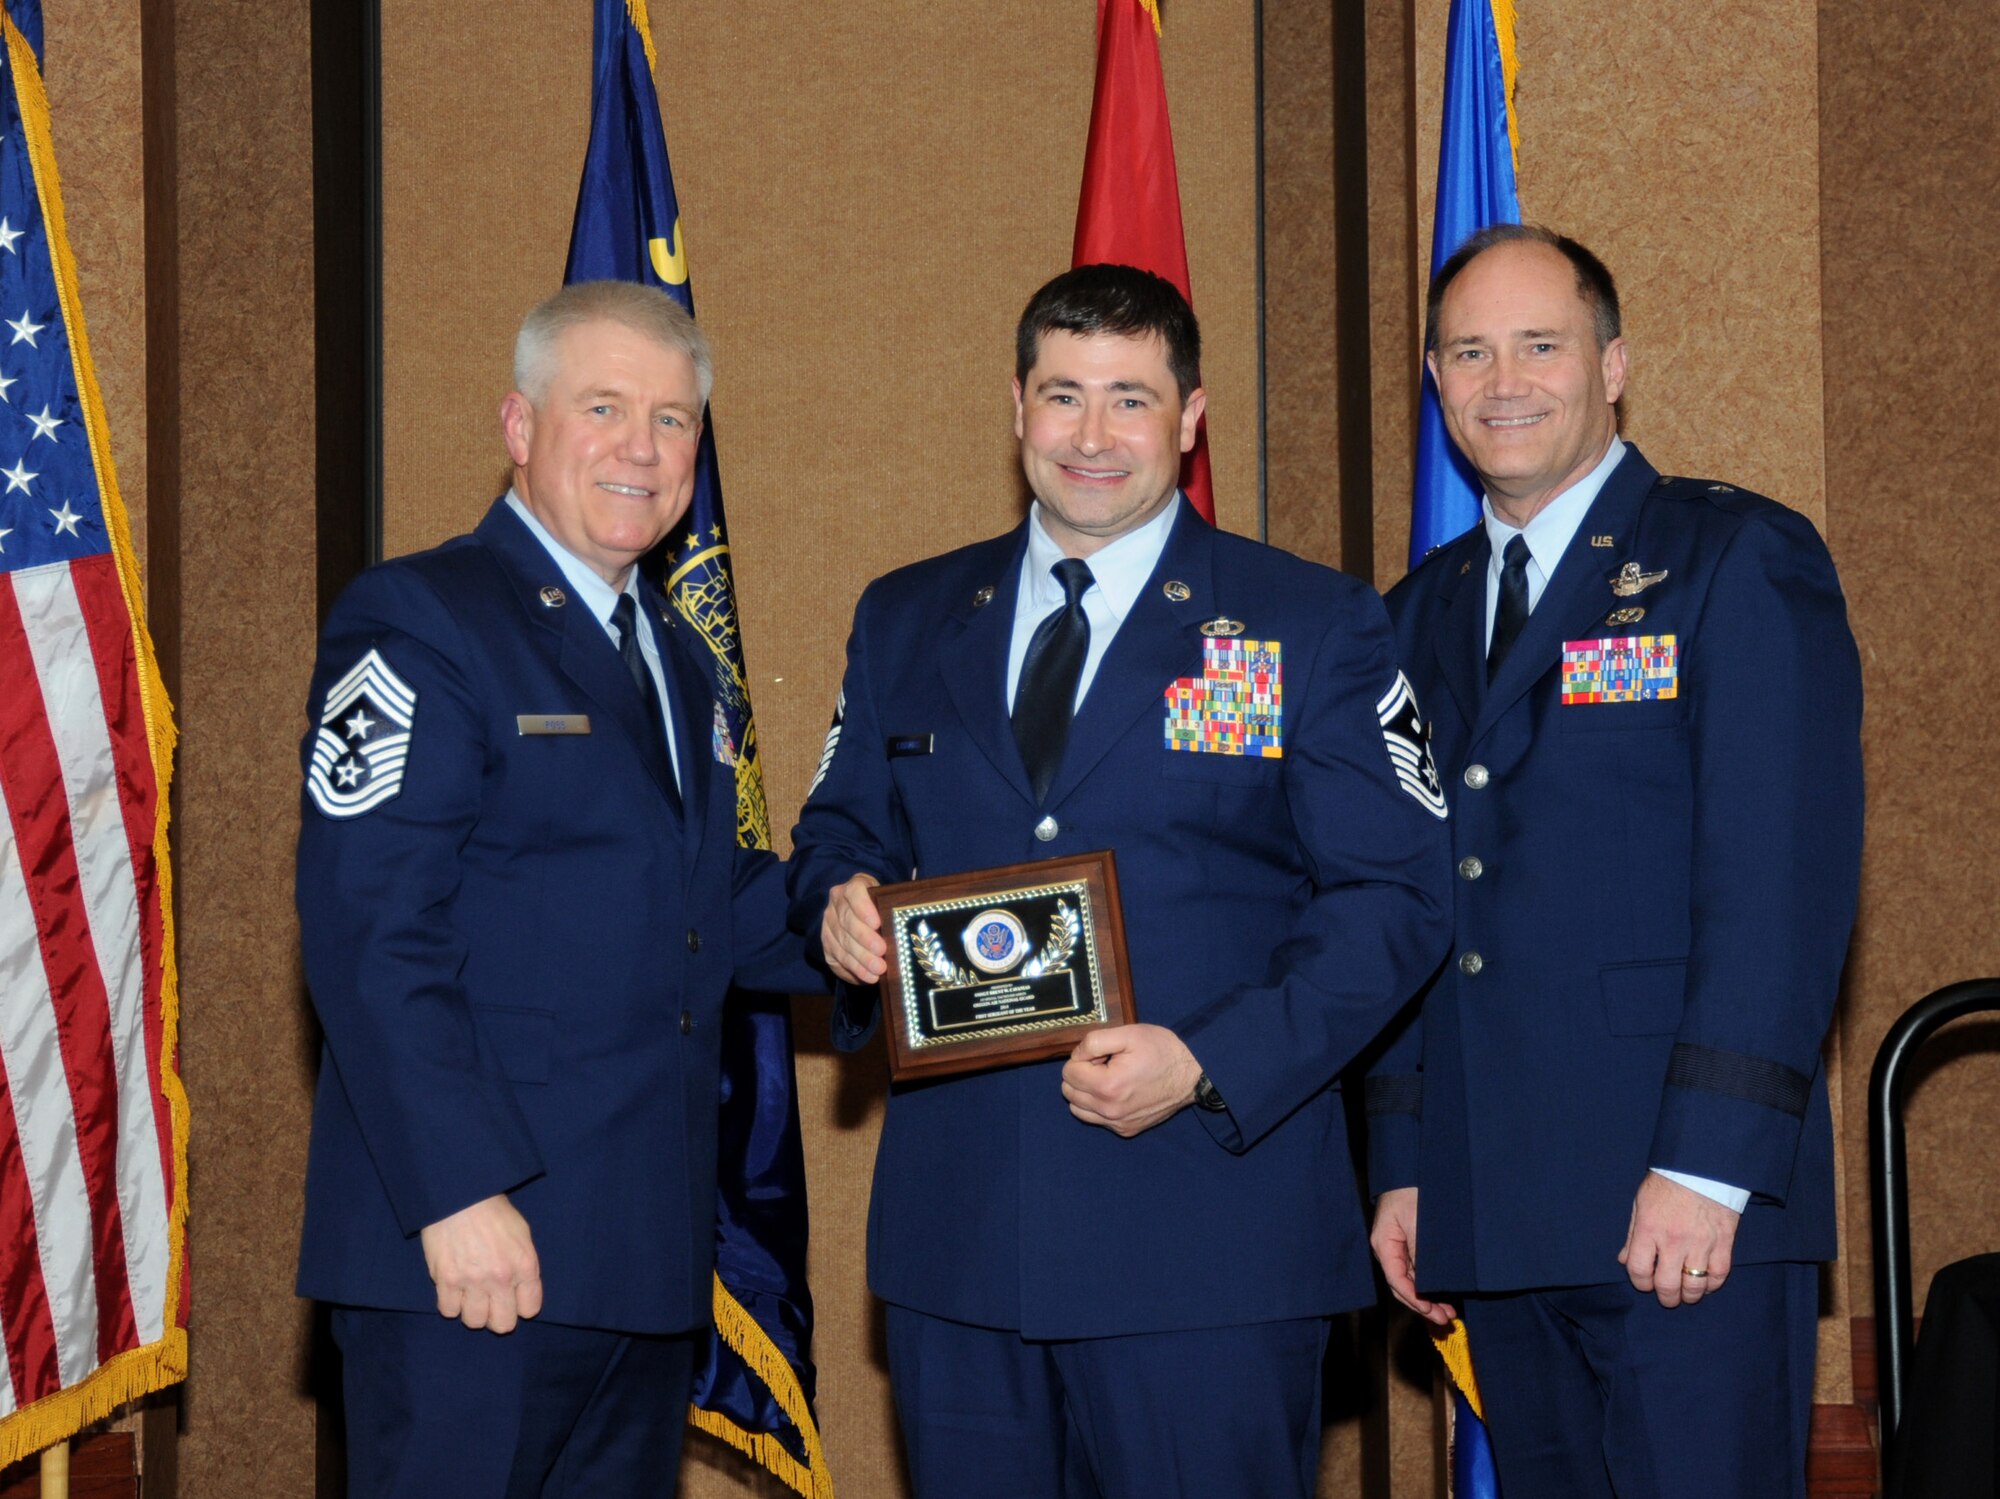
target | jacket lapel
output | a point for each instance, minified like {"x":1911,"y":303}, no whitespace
{"x":690,"y":674}
{"x":1579,"y":594}
{"x":973,"y":657}
{"x":1156,"y":644}
{"x":1460,"y":640}
{"x":584,"y":650}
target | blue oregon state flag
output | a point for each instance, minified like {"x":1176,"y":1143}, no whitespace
{"x":754,"y":1389}
{"x":1475,"y":189}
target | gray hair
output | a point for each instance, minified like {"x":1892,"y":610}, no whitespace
{"x":646,"y":310}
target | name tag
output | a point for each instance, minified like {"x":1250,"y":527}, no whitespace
{"x":908,"y":744}
{"x":552,"y":723}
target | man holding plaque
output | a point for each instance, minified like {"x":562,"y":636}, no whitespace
{"x":1108,"y":1273}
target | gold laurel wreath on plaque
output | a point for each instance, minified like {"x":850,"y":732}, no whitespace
{"x":938,"y":968}
{"x":1063,"y":934}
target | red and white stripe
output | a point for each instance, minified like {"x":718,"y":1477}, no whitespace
{"x":86,"y":1151}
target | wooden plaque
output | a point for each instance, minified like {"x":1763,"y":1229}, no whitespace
{"x":997,"y":966}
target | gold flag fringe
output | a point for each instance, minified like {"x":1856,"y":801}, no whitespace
{"x":138,"y":1371}
{"x":118,"y":1381}
{"x":1455,"y":1348}
{"x":1510,"y":68}
{"x":741,"y":1332}
{"x":635,"y":10}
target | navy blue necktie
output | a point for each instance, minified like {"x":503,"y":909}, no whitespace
{"x":1046,"y":696}
{"x":625,"y":620}
{"x":1513,"y":611}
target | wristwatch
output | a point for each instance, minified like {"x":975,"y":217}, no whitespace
{"x":1205,"y":1096}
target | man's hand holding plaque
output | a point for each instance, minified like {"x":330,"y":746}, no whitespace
{"x":851,"y":933}
{"x":1129,"y":1078}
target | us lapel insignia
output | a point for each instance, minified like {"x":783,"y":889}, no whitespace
{"x":1604,"y":541}
{"x":982,"y":598}
{"x":1236,"y":705}
{"x":1176,"y":590}
{"x":1222,"y":625}
{"x":1621,"y":669}
{"x":553,"y":597}
{"x":1625,"y":616}
{"x":1631,"y":580}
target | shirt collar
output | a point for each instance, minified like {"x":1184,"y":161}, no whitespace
{"x":1549,"y":533}
{"x":597,"y":595}
{"x":1120,"y":567}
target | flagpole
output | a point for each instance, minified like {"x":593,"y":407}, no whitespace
{"x":55,"y":1470}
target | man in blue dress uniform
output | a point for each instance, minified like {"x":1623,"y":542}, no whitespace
{"x":522,"y":905}
{"x":1611,"y":1106}
{"x":1108,"y":1277}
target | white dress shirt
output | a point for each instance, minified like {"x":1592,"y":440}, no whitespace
{"x":1118,"y":570}
{"x":601,"y":598}
{"x":1548,"y":534}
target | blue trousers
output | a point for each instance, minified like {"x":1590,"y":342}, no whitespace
{"x":1224,"y":1411}
{"x":1599,"y":1392}
{"x":438,"y":1411}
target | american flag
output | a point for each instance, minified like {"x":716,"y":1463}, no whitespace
{"x":93,"y":1132}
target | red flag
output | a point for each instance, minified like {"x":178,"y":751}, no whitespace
{"x":1129,"y":212}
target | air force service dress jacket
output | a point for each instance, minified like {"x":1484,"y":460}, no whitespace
{"x":517,"y":944}
{"x":1279,"y":908}
{"x":1656,"y":824}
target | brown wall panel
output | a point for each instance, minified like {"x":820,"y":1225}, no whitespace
{"x":245,"y":210}
{"x":869,"y":195}
{"x":1911,"y":186}
{"x":1682,"y":143}
{"x":1396,"y":185}
{"x":91,"y":67}
{"x":1301,"y":359}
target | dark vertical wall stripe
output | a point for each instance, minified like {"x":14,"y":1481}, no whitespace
{"x":163,"y":315}
{"x":347,"y":286}
{"x":1355,"y":397}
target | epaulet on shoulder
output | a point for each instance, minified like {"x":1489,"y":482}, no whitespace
{"x":1287,"y":569}
{"x":945,"y":569}
{"x":1730,"y":497}
{"x":1430,"y":557}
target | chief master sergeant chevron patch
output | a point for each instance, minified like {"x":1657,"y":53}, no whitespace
{"x":363,"y":739}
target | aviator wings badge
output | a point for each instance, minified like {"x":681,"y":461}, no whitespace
{"x":1631,"y":580}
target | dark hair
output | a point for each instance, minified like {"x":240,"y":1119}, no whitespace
{"x":1118,"y":299}
{"x":1594,"y":286}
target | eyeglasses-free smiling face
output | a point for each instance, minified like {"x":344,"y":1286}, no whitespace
{"x":605,"y":458}
{"x":1528,"y":396}
{"x":1102,"y":424}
